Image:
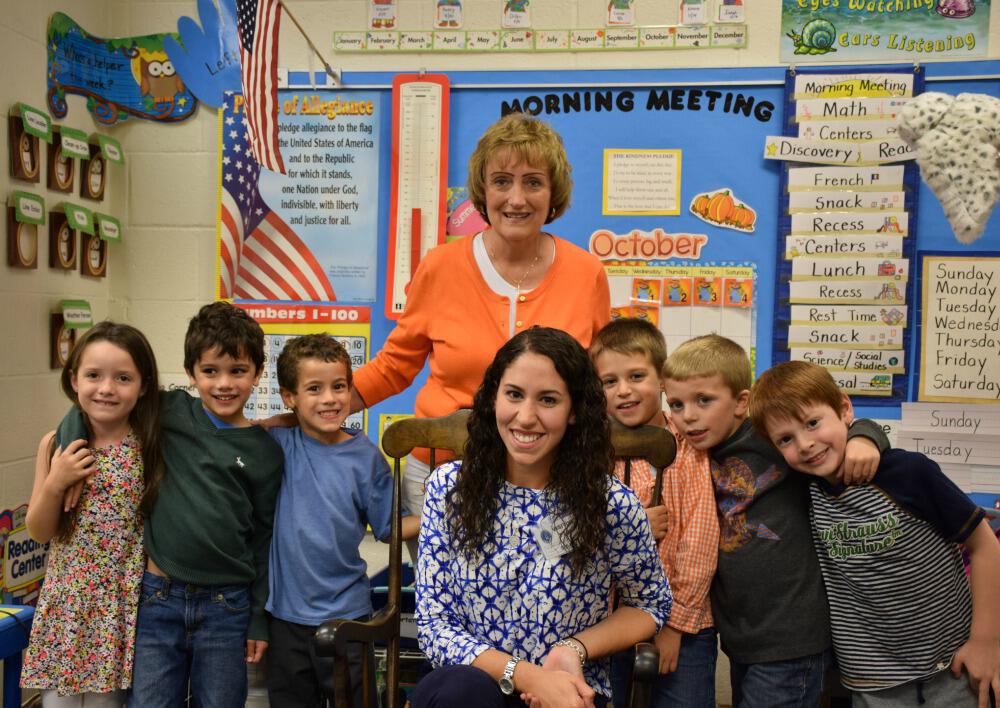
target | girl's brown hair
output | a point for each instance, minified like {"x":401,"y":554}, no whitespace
{"x":144,"y":417}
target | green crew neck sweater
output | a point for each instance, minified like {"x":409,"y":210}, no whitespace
{"x":211,"y":523}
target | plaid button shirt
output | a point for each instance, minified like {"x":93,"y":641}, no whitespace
{"x":690,"y":549}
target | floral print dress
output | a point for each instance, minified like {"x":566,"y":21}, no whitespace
{"x":83,"y":636}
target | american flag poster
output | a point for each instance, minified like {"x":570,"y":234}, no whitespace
{"x":310,"y":234}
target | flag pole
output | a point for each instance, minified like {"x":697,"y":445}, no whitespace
{"x":333,"y":73}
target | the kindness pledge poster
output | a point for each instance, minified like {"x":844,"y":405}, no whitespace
{"x":851,"y":30}
{"x":310,"y":234}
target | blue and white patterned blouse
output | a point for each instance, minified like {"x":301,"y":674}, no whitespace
{"x":511,"y":598}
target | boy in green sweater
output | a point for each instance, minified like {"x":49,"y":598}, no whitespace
{"x":201,"y":615}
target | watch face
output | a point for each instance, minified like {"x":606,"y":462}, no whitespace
{"x":506,"y":686}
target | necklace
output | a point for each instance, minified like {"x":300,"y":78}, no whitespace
{"x":531,"y":267}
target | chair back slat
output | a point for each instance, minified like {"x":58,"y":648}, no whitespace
{"x":657,"y":445}
{"x":445,"y":433}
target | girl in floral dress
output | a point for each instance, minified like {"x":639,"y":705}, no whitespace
{"x":82,"y":640}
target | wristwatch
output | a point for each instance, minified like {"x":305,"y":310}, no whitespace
{"x":507,"y":680}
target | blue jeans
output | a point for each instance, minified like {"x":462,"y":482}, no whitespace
{"x":190,"y":633}
{"x":692,"y":684}
{"x":795,"y":683}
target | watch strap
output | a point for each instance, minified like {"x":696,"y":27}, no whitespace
{"x":507,"y":680}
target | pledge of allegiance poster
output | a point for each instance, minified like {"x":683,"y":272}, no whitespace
{"x":918,"y":30}
{"x":309,"y":234}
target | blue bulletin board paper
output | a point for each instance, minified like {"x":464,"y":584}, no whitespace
{"x":720,"y":149}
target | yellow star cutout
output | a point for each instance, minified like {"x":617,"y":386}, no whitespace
{"x":182,"y":101}
{"x":772,"y":149}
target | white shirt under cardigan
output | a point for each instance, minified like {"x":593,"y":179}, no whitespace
{"x":510,"y":597}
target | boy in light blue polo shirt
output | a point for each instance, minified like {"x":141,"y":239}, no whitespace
{"x":336,"y":484}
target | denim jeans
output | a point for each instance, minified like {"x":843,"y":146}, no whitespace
{"x":190,"y":633}
{"x":795,"y":683}
{"x":692,"y":685}
{"x":941,"y":689}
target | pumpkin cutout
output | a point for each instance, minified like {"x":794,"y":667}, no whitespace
{"x":722,"y":208}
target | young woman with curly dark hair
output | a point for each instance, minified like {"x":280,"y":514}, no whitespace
{"x":521,"y":542}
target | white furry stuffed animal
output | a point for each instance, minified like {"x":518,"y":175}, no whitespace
{"x":956,"y":139}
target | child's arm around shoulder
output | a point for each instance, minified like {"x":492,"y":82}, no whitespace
{"x":866,"y":442}
{"x":980,"y":656}
{"x":55,"y":472}
{"x":264,"y":499}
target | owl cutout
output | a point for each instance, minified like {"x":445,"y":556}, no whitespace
{"x":158,"y":81}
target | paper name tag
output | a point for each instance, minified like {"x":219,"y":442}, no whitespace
{"x":552,"y":538}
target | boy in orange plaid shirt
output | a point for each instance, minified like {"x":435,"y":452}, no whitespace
{"x":629,"y":355}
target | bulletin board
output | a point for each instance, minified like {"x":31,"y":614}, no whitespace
{"x":703,"y":128}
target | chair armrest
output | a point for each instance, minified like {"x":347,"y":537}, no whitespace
{"x":332,"y":636}
{"x":644,"y":672}
{"x":647,"y":662}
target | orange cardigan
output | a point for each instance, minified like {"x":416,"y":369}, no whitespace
{"x":456,"y":322}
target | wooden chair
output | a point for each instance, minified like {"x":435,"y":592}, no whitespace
{"x":450,"y":433}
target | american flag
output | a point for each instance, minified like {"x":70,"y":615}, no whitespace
{"x":258,"y":22}
{"x":260,"y":257}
